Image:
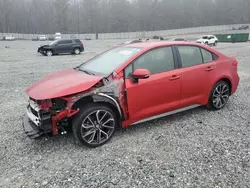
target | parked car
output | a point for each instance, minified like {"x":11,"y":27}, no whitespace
{"x":87,"y":38}
{"x":128,"y":85}
{"x":208,"y":40}
{"x":243,"y":27}
{"x":74,"y":46}
{"x":35,"y":38}
{"x":180,"y":39}
{"x":58,"y":36}
{"x":42,"y":37}
{"x":132,"y":41}
{"x":9,"y":38}
{"x":158,"y":37}
{"x":73,"y":37}
{"x":51,"y":38}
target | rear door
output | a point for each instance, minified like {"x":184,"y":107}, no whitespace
{"x":198,"y":71}
{"x":160,"y":92}
{"x":64,"y":46}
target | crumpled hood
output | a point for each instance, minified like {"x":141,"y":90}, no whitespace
{"x":62,"y":83}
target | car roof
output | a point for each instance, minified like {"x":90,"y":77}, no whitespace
{"x":208,"y":35}
{"x":159,"y":44}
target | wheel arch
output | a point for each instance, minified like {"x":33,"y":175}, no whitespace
{"x":101,"y":98}
{"x":227,"y":80}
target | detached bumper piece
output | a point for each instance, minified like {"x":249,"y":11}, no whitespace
{"x":31,"y":129}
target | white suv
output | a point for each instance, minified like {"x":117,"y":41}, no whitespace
{"x":208,"y":39}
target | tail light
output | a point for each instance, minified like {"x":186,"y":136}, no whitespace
{"x":235,"y":63}
{"x":81,"y":44}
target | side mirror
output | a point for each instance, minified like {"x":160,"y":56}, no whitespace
{"x":140,"y":74}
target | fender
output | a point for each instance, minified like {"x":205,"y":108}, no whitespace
{"x":223,"y":78}
{"x":101,"y":97}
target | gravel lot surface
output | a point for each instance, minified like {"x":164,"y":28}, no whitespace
{"x":197,"y":148}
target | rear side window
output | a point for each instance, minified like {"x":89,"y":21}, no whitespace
{"x":77,"y":41}
{"x":65,"y":42}
{"x":207,"y":56}
{"x":190,"y":56}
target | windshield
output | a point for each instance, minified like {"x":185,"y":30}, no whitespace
{"x":52,"y":43}
{"x":205,"y":37}
{"x":107,"y":62}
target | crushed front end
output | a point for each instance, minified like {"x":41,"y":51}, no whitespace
{"x":46,"y":117}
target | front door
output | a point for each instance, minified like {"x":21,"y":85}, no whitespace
{"x":160,"y":92}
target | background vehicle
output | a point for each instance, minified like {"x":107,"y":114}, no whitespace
{"x":178,"y":39}
{"x":133,"y":41}
{"x":58,"y":36}
{"x":87,"y":38}
{"x":42,"y":38}
{"x":73,"y":37}
{"x":35,"y":38}
{"x":51,"y":37}
{"x":208,"y":40}
{"x":243,"y":27}
{"x":158,"y":37}
{"x":128,"y":85}
{"x":9,"y":38}
{"x":74,"y":46}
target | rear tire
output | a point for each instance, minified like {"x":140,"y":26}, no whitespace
{"x":215,"y":43}
{"x":219,"y":96}
{"x":77,"y":51}
{"x":94,"y":125}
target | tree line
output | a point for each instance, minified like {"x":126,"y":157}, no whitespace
{"x":111,"y":16}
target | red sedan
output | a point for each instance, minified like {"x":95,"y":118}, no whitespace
{"x":128,"y":85}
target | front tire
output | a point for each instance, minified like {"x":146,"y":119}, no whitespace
{"x":219,"y":96}
{"x":49,"y":53}
{"x":215,"y":43}
{"x":94,"y":125}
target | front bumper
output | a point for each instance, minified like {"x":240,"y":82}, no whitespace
{"x":35,"y":122}
{"x":31,"y":129}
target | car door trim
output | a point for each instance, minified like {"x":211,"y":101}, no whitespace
{"x":168,"y":113}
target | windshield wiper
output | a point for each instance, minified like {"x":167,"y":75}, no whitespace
{"x":85,"y":71}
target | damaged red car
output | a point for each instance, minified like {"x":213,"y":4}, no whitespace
{"x":128,"y":85}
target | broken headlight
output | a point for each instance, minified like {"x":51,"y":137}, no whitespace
{"x":58,"y":104}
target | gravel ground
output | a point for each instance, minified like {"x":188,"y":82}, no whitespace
{"x":197,"y":148}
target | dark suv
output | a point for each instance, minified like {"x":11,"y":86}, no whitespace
{"x":74,"y":46}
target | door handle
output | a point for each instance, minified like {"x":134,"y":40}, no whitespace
{"x":174,"y":77}
{"x":209,"y":68}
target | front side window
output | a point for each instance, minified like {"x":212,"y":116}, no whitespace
{"x":190,"y":55}
{"x":107,"y":62}
{"x":156,"y":61}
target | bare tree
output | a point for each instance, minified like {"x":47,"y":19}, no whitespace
{"x":91,"y":16}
